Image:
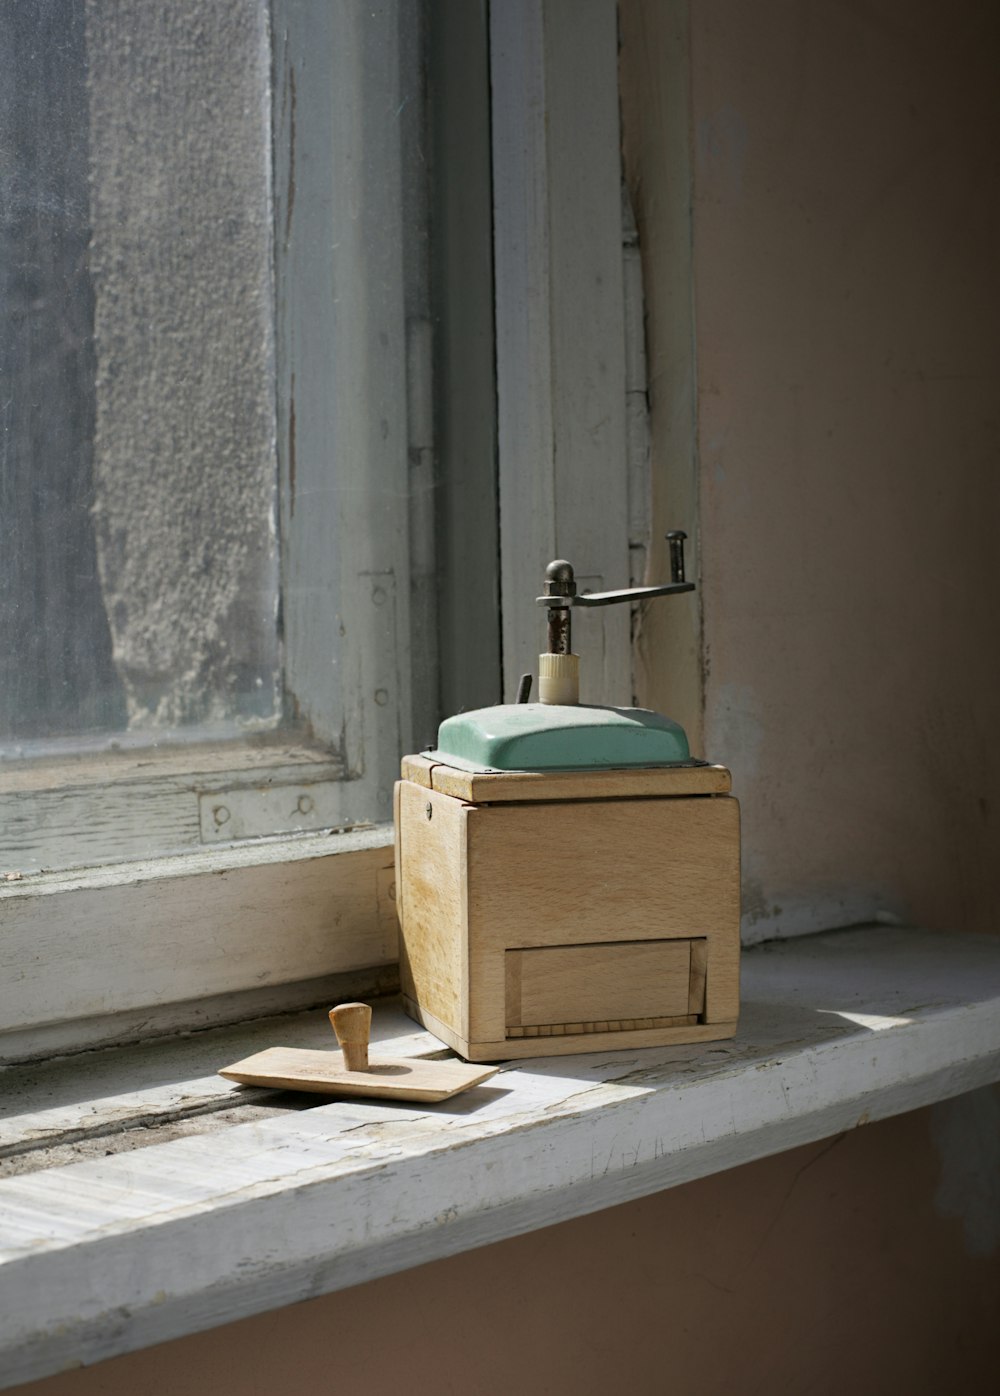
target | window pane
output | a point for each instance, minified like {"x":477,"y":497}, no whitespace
{"x":138,"y":553}
{"x":222,"y":330}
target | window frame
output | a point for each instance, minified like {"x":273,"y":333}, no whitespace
{"x":344,"y":367}
{"x":217,"y":934}
{"x":561,"y":328}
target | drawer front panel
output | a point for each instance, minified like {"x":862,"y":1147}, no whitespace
{"x":616,"y":981}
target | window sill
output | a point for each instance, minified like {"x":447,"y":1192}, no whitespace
{"x":113,"y":1253}
{"x":173,"y":944}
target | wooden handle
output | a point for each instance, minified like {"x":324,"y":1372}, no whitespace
{"x":352,"y":1023}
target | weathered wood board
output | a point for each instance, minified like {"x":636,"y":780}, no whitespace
{"x":106,"y":1255}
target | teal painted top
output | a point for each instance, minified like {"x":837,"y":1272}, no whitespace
{"x":545,"y":737}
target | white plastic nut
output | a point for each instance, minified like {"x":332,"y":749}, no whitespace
{"x":559,"y":678}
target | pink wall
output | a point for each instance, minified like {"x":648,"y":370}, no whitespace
{"x":833,"y":166}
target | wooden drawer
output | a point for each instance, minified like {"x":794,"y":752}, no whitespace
{"x":571,"y":986}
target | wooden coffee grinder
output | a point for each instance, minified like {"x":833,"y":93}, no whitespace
{"x":567,"y":876}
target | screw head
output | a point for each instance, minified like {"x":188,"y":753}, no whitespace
{"x":429,"y":808}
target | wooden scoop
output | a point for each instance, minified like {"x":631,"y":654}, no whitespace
{"x":349,"y":1072}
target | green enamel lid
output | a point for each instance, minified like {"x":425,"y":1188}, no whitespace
{"x":544,"y":737}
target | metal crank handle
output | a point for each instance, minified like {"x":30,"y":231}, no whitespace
{"x":609,"y":598}
{"x":561,"y":592}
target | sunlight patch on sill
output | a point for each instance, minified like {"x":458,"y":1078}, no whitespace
{"x":875,"y":1022}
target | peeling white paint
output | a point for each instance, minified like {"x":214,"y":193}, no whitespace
{"x":265,"y":1213}
{"x":781,"y":915}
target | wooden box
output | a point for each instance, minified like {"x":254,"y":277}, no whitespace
{"x":559,"y":912}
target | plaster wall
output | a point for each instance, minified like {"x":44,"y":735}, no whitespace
{"x":819,"y":205}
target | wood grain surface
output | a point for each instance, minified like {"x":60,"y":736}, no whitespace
{"x":431,"y":901}
{"x":505,"y":787}
{"x":324,"y":1073}
{"x":587,"y":873}
{"x":564,"y":984}
{"x":581,"y":922}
